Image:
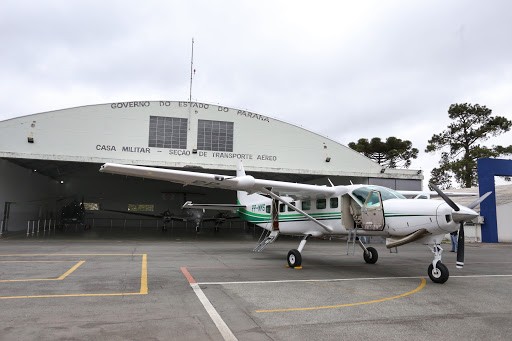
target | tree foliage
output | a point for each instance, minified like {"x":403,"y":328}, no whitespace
{"x":392,"y":153}
{"x":461,"y":146}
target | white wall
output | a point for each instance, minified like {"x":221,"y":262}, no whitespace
{"x":32,"y":195}
{"x":119,"y":132}
{"x":504,"y":219}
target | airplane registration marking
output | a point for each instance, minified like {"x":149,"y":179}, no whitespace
{"x":337,"y":306}
{"x":143,"y":277}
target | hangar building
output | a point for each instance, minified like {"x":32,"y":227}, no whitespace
{"x":50,"y":158}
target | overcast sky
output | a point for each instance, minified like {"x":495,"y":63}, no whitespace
{"x":343,"y":69}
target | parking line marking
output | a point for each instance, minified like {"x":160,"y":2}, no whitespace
{"x":340,"y":279}
{"x":143,"y":277}
{"x":60,"y":278}
{"x":336,"y":306}
{"x":223,"y":328}
{"x":70,"y":271}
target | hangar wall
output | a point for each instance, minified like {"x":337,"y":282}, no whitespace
{"x":31,"y":196}
{"x":182,"y":134}
{"x":166,"y":134}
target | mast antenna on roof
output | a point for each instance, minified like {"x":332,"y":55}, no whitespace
{"x":192,"y":71}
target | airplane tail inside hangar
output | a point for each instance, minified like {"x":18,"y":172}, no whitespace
{"x":49,"y":159}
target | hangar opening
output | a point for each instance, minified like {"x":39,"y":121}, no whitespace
{"x":50,"y":159}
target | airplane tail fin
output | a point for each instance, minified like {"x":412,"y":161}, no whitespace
{"x":240,"y":171}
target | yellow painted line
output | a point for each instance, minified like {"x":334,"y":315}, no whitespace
{"x":71,"y":295}
{"x":60,"y":278}
{"x":143,"y":280}
{"x":419,"y":288}
{"x":69,"y":254}
{"x":36,"y":261}
{"x":70,"y":271}
{"x":144,"y":275}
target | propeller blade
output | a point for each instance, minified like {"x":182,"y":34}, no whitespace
{"x":460,"y":247}
{"x":445,"y":198}
{"x":479,"y":200}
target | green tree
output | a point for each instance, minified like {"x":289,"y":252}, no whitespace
{"x":392,"y":153}
{"x":461,"y":145}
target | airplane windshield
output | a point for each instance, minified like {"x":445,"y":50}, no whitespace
{"x":386,"y":193}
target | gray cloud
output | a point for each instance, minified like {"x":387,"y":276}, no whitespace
{"x":343,"y":69}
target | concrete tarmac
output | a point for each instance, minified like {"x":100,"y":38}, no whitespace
{"x":177,"y":285}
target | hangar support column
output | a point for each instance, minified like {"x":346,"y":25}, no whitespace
{"x":487,"y":170}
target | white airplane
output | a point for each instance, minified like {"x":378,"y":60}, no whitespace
{"x":322,"y":211}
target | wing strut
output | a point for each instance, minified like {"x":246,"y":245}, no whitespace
{"x":277,"y":197}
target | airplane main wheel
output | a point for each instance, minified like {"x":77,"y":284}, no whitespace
{"x":294,"y":258}
{"x":440,"y":274}
{"x":371,"y":256}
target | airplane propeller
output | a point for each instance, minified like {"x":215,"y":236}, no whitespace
{"x":460,"y":218}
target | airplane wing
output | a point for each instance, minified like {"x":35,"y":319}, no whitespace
{"x":430,"y":194}
{"x":245,"y":183}
{"x":173,"y":217}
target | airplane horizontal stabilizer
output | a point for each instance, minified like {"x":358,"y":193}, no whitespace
{"x":217,"y":207}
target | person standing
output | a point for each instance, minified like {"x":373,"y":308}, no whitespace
{"x":454,"y":238}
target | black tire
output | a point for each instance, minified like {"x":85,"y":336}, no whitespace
{"x":371,"y":256}
{"x":294,"y":258}
{"x":439,"y":275}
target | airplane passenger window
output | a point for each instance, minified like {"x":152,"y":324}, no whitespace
{"x":306,"y":205}
{"x":267,"y":208}
{"x":281,"y":207}
{"x":333,"y":202}
{"x":321,"y":204}
{"x":291,"y":209}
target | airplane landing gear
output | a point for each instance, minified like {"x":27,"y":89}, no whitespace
{"x":294,"y":256}
{"x":439,"y":274}
{"x":437,"y":271}
{"x":370,"y":255}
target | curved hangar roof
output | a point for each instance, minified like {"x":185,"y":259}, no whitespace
{"x":181,"y":134}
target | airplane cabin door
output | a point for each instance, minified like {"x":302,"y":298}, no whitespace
{"x":372,"y":212}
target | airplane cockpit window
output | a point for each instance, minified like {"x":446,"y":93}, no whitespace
{"x":386,"y":193}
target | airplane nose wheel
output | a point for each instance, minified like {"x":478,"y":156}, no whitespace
{"x":439,"y":274}
{"x":294,"y":258}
